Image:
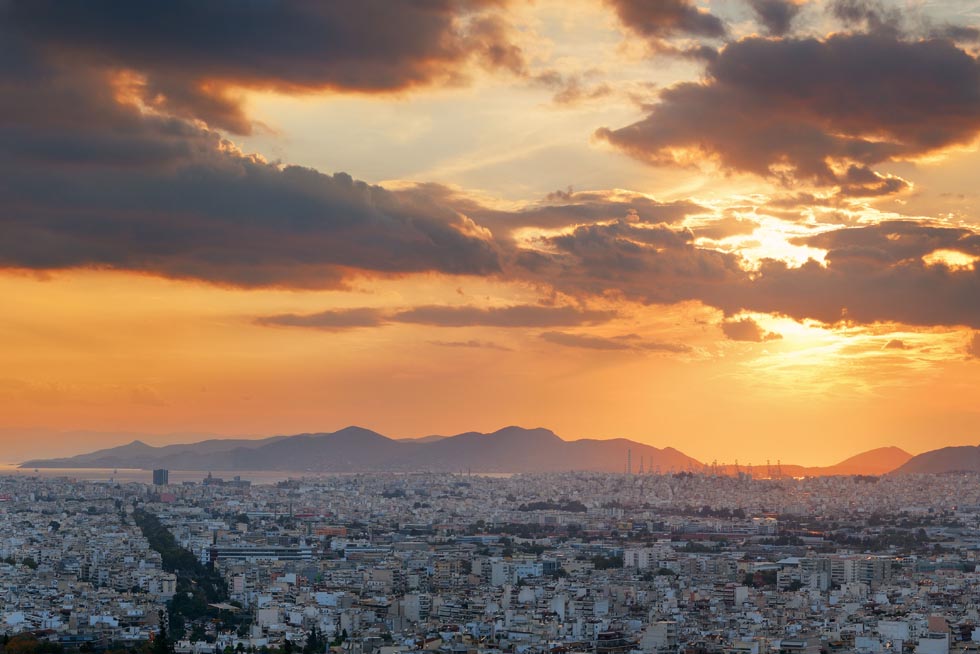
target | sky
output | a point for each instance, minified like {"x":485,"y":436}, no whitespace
{"x":747,"y":229}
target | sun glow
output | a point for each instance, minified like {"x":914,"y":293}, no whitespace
{"x":952,"y":259}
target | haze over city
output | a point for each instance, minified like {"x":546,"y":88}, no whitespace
{"x":745,"y":229}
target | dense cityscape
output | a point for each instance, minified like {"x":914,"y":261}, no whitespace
{"x":470,"y":564}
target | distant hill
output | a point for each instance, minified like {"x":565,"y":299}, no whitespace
{"x":138,"y":454}
{"x":965,"y":458}
{"x":21,"y":444}
{"x":512,"y":449}
{"x":873,"y":462}
{"x":879,"y":461}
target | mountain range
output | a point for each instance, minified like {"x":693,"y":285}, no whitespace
{"x":511,"y":449}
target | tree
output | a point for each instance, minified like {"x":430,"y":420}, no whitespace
{"x":198,"y":633}
{"x":314,"y":642}
{"x":162,"y":644}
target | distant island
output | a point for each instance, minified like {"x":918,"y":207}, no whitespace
{"x":511,"y":449}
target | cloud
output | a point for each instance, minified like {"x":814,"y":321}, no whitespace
{"x":896,"y":344}
{"x":667,"y":18}
{"x":488,"y":345}
{"x":816,"y":111}
{"x":88,"y":179}
{"x":193,"y":57}
{"x":584,"y":341}
{"x":958,"y":33}
{"x":860,"y":290}
{"x":776,"y":15}
{"x":891,"y":242}
{"x":561,"y":209}
{"x":572,"y":89}
{"x":92,"y":178}
{"x":747,"y":329}
{"x":876,"y":273}
{"x":973,"y":346}
{"x":332,"y":320}
{"x":529,"y":315}
{"x":870,"y":15}
{"x":649,"y":263}
{"x":627,"y":342}
{"x":725,"y":227}
{"x":881,"y":18}
{"x":513,"y":316}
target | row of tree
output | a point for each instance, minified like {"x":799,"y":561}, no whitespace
{"x":198,"y":585}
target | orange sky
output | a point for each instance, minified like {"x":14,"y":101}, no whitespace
{"x":593,"y":219}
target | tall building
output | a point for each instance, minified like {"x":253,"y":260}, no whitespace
{"x":161,"y":477}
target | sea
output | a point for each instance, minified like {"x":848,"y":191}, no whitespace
{"x":124,"y":475}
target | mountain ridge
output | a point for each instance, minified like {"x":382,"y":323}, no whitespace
{"x":511,"y":449}
{"x":356,"y":449}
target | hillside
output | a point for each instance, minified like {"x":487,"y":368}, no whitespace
{"x":965,"y":458}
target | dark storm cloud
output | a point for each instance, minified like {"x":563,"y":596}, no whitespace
{"x":632,"y":342}
{"x":747,"y":329}
{"x":819,"y":111}
{"x":530,"y":315}
{"x":193,"y":53}
{"x":776,"y":15}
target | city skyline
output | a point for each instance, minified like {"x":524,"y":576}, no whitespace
{"x":746,"y":229}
